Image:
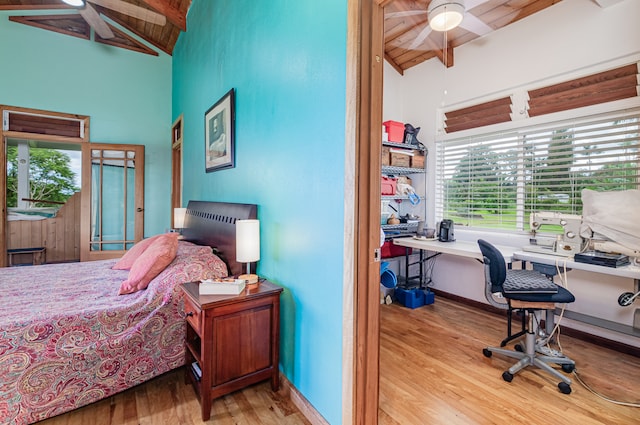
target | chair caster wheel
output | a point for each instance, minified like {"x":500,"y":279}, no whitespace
{"x":518,"y":347}
{"x":564,"y":388}
{"x":509,"y":377}
{"x":568,"y":368}
{"x":486,"y":352}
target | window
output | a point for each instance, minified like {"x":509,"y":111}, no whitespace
{"x":495,"y":180}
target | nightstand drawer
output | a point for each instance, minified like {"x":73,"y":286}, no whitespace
{"x":194,"y":315}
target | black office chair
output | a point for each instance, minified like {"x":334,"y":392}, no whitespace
{"x":527,"y":291}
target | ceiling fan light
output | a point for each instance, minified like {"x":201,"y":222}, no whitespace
{"x":74,"y":3}
{"x":445,"y":15}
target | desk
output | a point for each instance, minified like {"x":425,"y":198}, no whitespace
{"x":630,"y":271}
{"x":471,"y":250}
{"x":459,"y":248}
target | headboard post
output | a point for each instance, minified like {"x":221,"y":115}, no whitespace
{"x":214,"y":224}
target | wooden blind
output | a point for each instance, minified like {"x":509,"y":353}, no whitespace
{"x":33,"y":123}
{"x":607,"y":86}
{"x":493,"y":112}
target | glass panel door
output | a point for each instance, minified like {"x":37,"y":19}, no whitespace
{"x":113,"y":199}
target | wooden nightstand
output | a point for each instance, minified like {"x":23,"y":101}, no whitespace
{"x":234,"y":339}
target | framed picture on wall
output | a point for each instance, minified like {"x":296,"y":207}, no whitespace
{"x":219,"y":137}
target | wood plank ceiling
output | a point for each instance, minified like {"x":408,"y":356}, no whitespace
{"x":163,"y":37}
{"x":408,"y":40}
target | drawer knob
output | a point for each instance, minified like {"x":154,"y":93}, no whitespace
{"x":190,"y":314}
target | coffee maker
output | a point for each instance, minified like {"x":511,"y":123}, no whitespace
{"x":445,"y":231}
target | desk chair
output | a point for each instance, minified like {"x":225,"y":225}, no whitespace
{"x":528,"y":291}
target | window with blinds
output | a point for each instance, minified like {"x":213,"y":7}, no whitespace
{"x":495,"y":180}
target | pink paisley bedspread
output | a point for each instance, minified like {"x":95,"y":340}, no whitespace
{"x":68,"y":339}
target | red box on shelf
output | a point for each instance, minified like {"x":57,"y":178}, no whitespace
{"x":395,"y":130}
{"x":389,"y":250}
{"x":388,"y":185}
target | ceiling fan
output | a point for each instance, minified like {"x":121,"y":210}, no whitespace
{"x":444,"y":15}
{"x":100,"y":26}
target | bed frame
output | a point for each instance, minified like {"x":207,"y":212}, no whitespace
{"x":214,"y":224}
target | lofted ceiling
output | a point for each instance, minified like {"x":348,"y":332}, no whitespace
{"x":162,"y":36}
{"x":409,"y":41}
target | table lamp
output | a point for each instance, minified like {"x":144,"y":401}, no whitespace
{"x":179,"y":215}
{"x":248,"y":246}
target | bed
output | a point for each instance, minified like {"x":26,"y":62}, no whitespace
{"x":68,"y":339}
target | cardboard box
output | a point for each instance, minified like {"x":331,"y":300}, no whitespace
{"x":400,"y":158}
{"x":395,"y":130}
{"x":417,"y":160}
{"x":386,"y":156}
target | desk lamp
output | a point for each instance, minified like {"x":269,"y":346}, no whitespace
{"x":248,"y":247}
{"x":179,"y":215}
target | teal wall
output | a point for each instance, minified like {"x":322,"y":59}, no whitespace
{"x":126,"y":94}
{"x":286,"y":60}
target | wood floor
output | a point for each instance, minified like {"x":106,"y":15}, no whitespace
{"x":166,"y":400}
{"x":432,"y":371}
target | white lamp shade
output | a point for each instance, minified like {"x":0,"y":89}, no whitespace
{"x":247,"y":241}
{"x":445,"y":14}
{"x":179,"y":215}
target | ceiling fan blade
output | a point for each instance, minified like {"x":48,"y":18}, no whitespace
{"x":132,"y":10}
{"x":421,"y":37}
{"x":470,"y":4}
{"x":95,"y":21}
{"x":475,"y":25}
{"x":394,"y":15}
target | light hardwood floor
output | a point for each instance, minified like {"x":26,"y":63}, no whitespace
{"x":432,"y":371}
{"x":167,"y":400}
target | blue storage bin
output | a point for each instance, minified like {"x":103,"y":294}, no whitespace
{"x":388,"y":279}
{"x":429,"y":297}
{"x":411,"y":298}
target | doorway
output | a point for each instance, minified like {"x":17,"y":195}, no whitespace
{"x":43,"y":201}
{"x":78,"y":228}
{"x":365,"y":62}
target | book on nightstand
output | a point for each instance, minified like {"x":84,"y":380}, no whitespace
{"x":224,"y":286}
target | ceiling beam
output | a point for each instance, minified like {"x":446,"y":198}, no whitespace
{"x":395,"y":66}
{"x":164,"y":7}
{"x":35,"y":6}
{"x":446,"y":61}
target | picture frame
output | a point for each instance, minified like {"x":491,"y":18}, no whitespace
{"x":219,"y":134}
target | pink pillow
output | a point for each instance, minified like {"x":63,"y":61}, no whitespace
{"x":150,"y":263}
{"x":136,"y":250}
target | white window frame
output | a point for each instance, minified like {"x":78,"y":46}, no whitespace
{"x":527,"y":125}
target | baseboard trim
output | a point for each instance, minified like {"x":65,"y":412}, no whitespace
{"x":301,"y":402}
{"x":575,"y":333}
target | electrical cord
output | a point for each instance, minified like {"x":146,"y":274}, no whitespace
{"x":564,"y":280}
{"x":597,"y":394}
{"x":544,"y":346}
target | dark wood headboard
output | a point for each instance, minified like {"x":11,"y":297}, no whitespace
{"x":214,"y":224}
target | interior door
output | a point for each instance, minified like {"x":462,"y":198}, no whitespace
{"x":112,"y":199}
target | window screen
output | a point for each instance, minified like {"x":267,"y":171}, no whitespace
{"x":495,"y":180}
